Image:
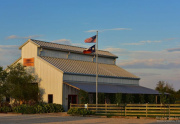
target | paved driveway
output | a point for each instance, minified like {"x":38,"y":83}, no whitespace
{"x":57,"y":119}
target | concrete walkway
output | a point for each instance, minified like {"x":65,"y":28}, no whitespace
{"x":58,"y":119}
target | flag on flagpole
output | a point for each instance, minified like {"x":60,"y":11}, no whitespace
{"x":90,"y":50}
{"x":91,"y":40}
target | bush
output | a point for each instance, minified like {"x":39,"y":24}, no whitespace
{"x":24,"y":109}
{"x":5,"y":109}
{"x":79,"y":111}
{"x":38,"y":108}
{"x":58,"y":108}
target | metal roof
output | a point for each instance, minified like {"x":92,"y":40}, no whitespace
{"x":88,"y":68}
{"x":62,"y":47}
{"x":113,"y":88}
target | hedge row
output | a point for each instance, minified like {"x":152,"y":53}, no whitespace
{"x":38,"y":108}
{"x":79,"y":111}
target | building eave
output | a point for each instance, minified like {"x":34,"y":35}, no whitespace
{"x":65,"y":50}
{"x":130,"y":78}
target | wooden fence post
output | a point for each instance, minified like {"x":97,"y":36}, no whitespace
{"x":70,"y":105}
{"x":125,"y":110}
{"x":106,"y":107}
{"x":169,"y":111}
{"x":146,"y":110}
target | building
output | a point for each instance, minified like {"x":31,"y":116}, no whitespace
{"x":64,"y":70}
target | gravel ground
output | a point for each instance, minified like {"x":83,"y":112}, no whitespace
{"x":59,"y":119}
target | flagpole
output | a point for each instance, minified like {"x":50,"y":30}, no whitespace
{"x":96,"y":70}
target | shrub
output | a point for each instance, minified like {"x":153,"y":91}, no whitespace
{"x":24,"y":109}
{"x":38,"y":108}
{"x":58,"y":108}
{"x":79,"y":111}
{"x":5,"y":109}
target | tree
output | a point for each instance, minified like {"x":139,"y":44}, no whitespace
{"x":141,"y":98}
{"x":83,"y":97}
{"x":118,"y":98}
{"x":151,"y":98}
{"x":163,"y":88}
{"x":129,"y":98}
{"x":21,"y":85}
{"x":3,"y":76}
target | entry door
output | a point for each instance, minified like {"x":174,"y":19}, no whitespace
{"x":72,"y":99}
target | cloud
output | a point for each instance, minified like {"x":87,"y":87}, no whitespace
{"x":150,"y":63}
{"x":8,"y":46}
{"x":148,"y":41}
{"x":18,"y":37}
{"x":142,"y":42}
{"x":12,"y":37}
{"x":63,"y":41}
{"x":8,"y":54}
{"x":170,"y":39}
{"x":150,"y":66}
{"x":68,"y":42}
{"x":114,"y":29}
{"x":146,"y":59}
{"x":133,"y":43}
{"x":173,"y":49}
{"x":145,"y":74}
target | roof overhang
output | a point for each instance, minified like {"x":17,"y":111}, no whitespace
{"x":112,"y":88}
{"x":130,"y":78}
{"x":78,"y":52}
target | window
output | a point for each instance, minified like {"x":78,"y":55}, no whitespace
{"x":50,"y":98}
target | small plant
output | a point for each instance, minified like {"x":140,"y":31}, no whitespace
{"x":79,"y":111}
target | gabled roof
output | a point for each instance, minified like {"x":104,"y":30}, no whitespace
{"x":62,"y":47}
{"x":88,"y":68}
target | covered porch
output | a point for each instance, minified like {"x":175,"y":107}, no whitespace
{"x":110,"y":93}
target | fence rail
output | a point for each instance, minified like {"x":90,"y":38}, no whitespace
{"x":147,"y":110}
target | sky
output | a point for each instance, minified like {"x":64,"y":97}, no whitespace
{"x":144,"y":34}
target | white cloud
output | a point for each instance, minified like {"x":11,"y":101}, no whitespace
{"x":27,"y":37}
{"x":146,"y":59}
{"x":8,"y":46}
{"x":12,"y":37}
{"x":142,"y":42}
{"x":170,"y":39}
{"x":113,"y":29}
{"x":63,"y":41}
{"x":91,"y":31}
{"x":150,"y":66}
{"x":68,"y":42}
{"x":173,"y":49}
{"x":132,"y":43}
{"x":149,"y":41}
{"x":8,"y":54}
{"x":151,"y":63}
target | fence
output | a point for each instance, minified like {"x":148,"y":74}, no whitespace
{"x":146,"y":110}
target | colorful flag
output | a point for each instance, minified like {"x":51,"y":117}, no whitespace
{"x":90,"y":50}
{"x":91,"y":40}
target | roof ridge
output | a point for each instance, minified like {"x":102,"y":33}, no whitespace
{"x":65,"y":44}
